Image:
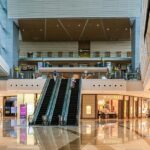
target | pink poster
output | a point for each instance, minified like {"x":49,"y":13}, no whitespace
{"x":23,"y":111}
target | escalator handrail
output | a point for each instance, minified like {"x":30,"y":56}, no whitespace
{"x":53,"y":103}
{"x":52,"y":97}
{"x":79,"y":103}
{"x":41,"y":98}
{"x":66,"y":101}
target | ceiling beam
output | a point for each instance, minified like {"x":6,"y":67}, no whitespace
{"x":45,"y":29}
{"x":82,"y":32}
{"x":66,"y":31}
{"x":103,"y":28}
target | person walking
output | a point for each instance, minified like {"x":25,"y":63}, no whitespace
{"x":73,"y":81}
{"x":55,"y":75}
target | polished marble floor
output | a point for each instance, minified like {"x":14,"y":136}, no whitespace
{"x":90,"y":135}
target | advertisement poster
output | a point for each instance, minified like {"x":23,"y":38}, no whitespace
{"x":23,"y":111}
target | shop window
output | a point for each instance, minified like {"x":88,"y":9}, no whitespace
{"x":107,"y":54}
{"x":70,"y":54}
{"x":60,"y":54}
{"x":97,"y":54}
{"x":30,"y":54}
{"x":70,"y":65}
{"x":39,"y":54}
{"x":49,"y":54}
{"x":10,"y":108}
{"x":118,"y":54}
{"x":60,"y":65}
{"x":129,"y":54}
{"x":84,"y":53}
{"x":88,"y":110}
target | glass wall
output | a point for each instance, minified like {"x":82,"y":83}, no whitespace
{"x":26,"y":105}
{"x":115,"y":106}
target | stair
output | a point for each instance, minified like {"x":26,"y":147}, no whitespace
{"x":59,"y":102}
{"x":72,"y":112}
{"x":45,"y":103}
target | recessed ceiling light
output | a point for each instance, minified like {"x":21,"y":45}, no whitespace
{"x":79,"y":25}
{"x":22,"y":30}
{"x":126,"y":29}
{"x":41,"y":30}
{"x":57,"y":25}
{"x":97,"y":25}
{"x":108,"y":29}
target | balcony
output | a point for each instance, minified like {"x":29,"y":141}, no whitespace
{"x":72,"y":56}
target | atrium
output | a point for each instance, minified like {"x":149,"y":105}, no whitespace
{"x":75,"y":75}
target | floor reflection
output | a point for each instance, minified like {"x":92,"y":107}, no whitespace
{"x":91,"y":134}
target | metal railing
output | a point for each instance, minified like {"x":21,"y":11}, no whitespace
{"x":66,"y":101}
{"x":52,"y":97}
{"x":50,"y":111}
{"x":126,"y":76}
{"x":79,"y":103}
{"x":41,"y":98}
{"x":98,"y":54}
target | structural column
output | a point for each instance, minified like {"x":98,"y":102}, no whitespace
{"x":135,"y":44}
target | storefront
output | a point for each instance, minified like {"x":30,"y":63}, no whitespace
{"x":114,"y":106}
{"x":107,"y":106}
{"x":10,"y":106}
{"x":26,"y":105}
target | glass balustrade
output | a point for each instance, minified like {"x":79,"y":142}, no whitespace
{"x":61,"y":55}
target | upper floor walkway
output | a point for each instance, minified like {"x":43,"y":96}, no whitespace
{"x":88,"y":86}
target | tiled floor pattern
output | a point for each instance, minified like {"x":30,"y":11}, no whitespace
{"x":90,"y":135}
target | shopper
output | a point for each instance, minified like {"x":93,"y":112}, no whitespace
{"x":73,"y":81}
{"x":55,"y":75}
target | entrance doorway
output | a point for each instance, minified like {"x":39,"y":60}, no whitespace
{"x":10,"y":106}
{"x":107,"y":106}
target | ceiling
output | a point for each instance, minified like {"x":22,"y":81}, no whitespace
{"x":75,"y":29}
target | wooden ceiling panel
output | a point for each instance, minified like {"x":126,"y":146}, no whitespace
{"x":55,"y":31}
{"x":32,"y":30}
{"x":75,"y":29}
{"x":93,"y":30}
{"x":117,"y":29}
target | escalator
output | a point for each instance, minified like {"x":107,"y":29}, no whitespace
{"x":45,"y":102}
{"x":73,"y":106}
{"x":59,"y":102}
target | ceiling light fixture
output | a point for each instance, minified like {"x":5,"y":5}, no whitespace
{"x":97,"y":25}
{"x":126,"y":29}
{"x":108,"y":29}
{"x":22,"y":30}
{"x":41,"y":30}
{"x":79,"y":25}
{"x":57,"y":25}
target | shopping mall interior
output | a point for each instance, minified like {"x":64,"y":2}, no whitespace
{"x":75,"y":75}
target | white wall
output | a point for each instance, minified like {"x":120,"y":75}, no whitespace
{"x":112,"y":46}
{"x":48,"y":46}
{"x":73,"y":8}
{"x":123,"y":87}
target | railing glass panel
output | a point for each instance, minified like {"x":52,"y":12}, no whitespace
{"x":97,"y":54}
{"x":41,"y":98}
{"x":66,"y":101}
{"x":53,"y":101}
